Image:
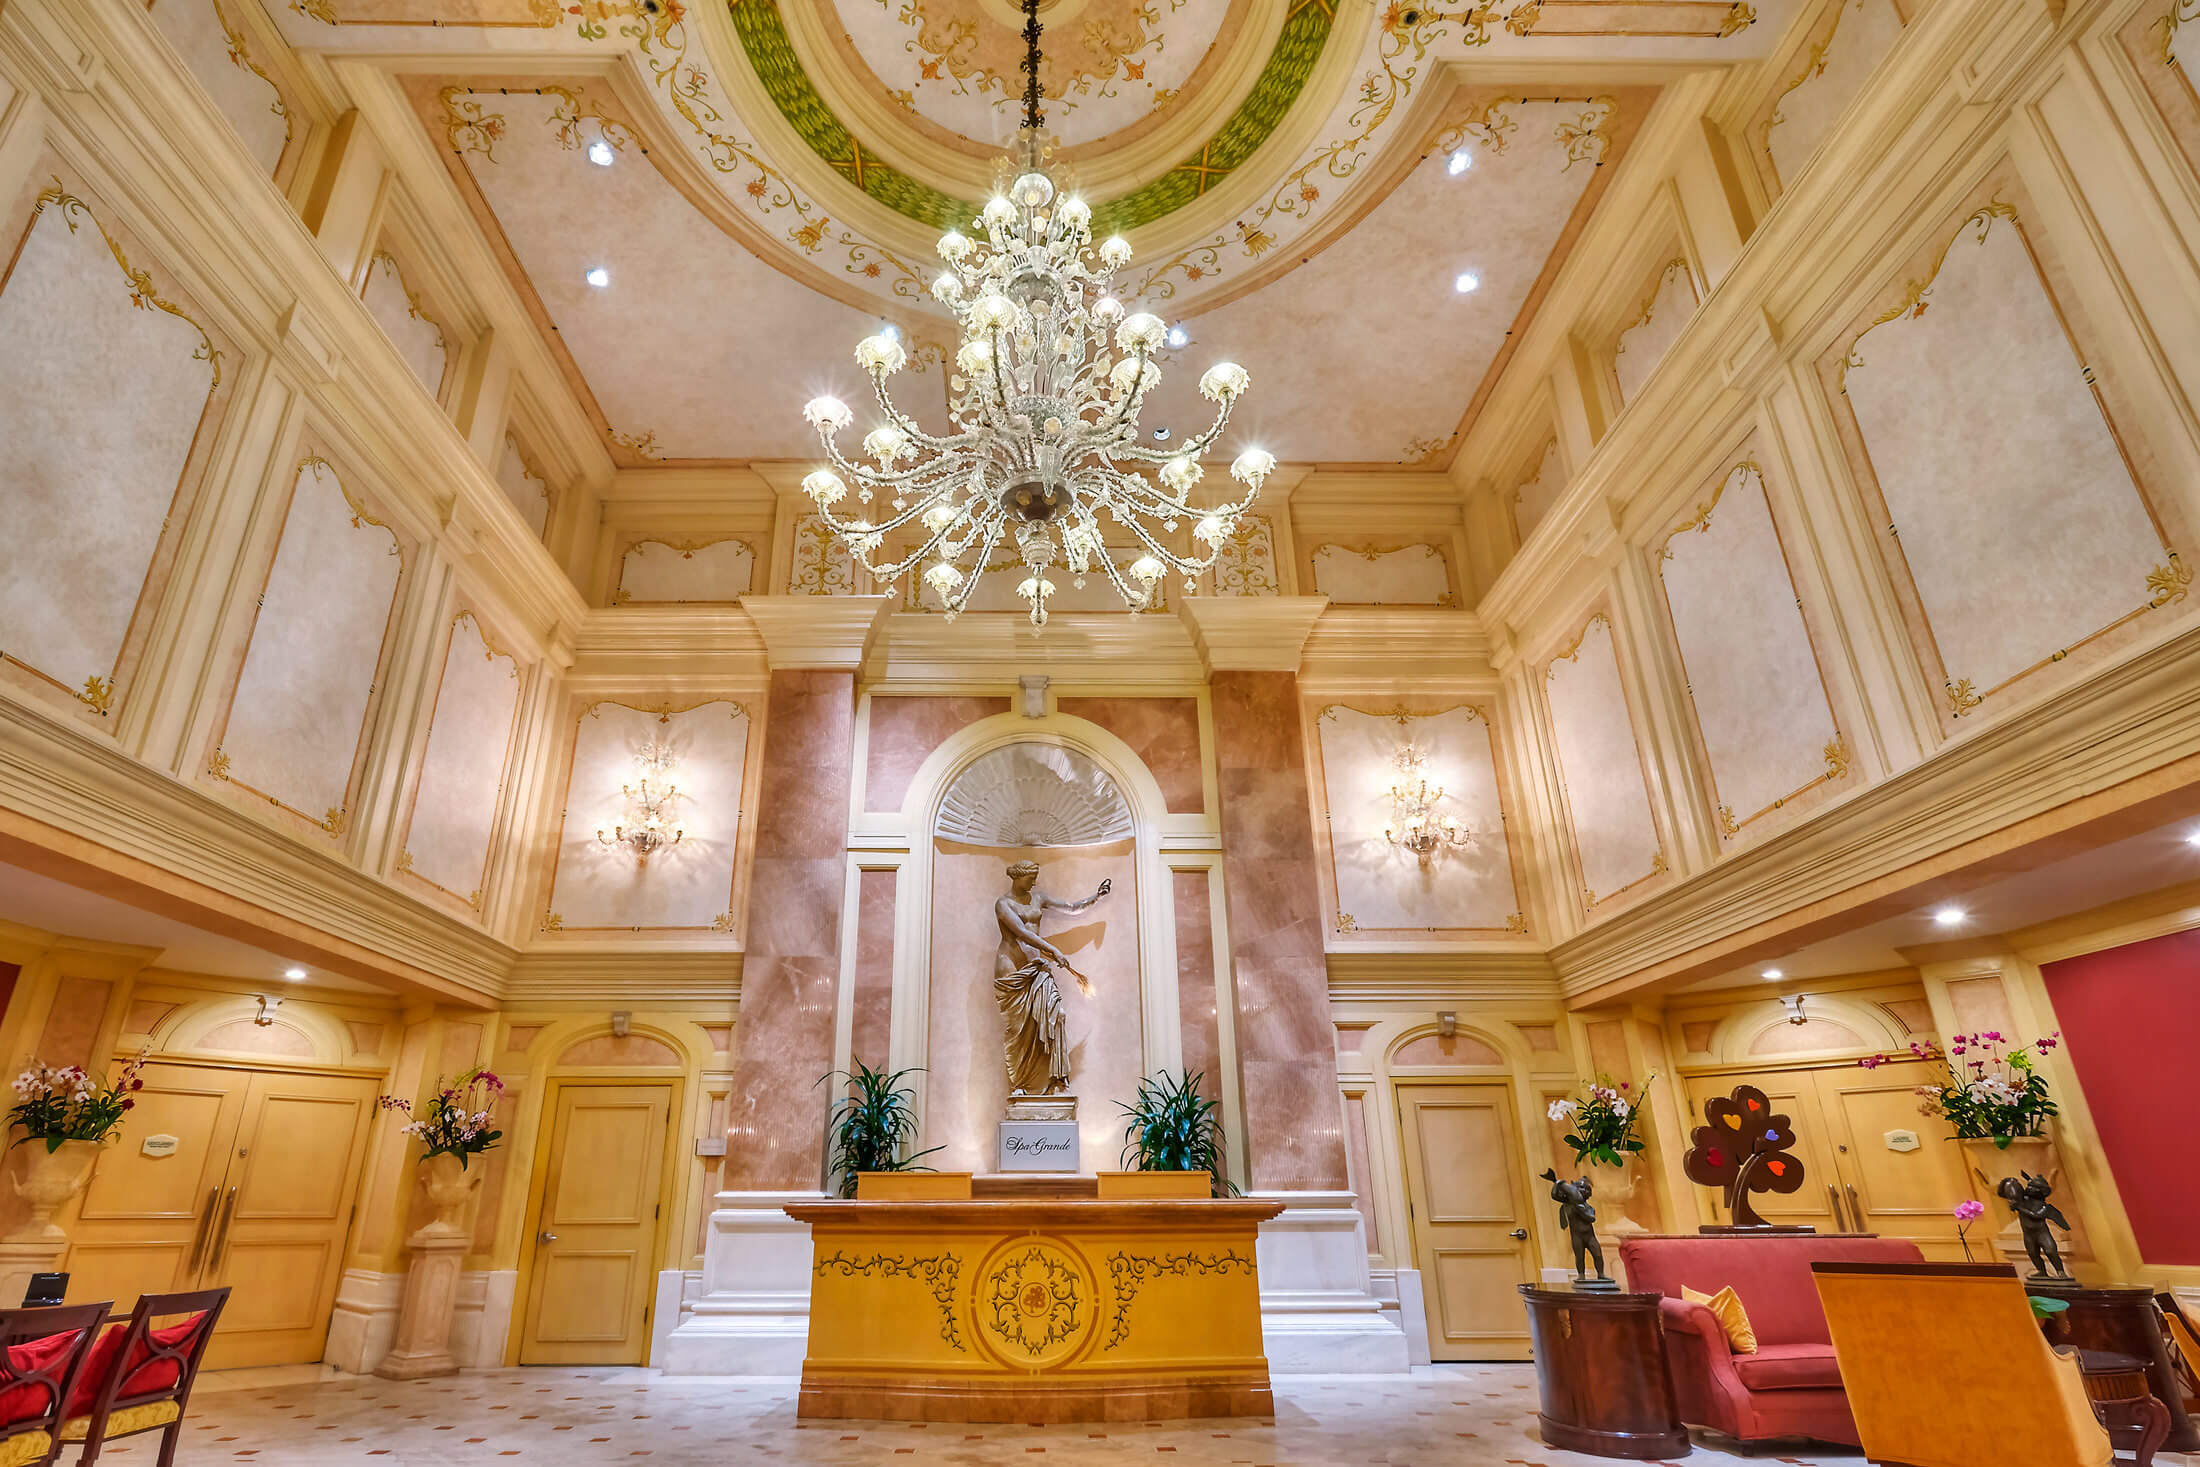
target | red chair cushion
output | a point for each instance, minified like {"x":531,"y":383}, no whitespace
{"x":143,"y":1377}
{"x":21,"y":1403}
{"x":1789,"y":1368}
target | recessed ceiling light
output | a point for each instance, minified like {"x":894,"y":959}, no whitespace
{"x":1773,"y":973}
{"x":1467,"y":281}
{"x":1160,"y":435}
{"x":294,"y":974}
{"x":600,"y":154}
{"x":1178,"y":336}
{"x":1460,"y":162}
{"x":2192,"y":838}
{"x":598,"y":277}
{"x":1949,"y":916}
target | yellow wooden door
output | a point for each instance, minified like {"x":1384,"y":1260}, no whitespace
{"x":148,"y":1215}
{"x":1467,"y":1205}
{"x":596,"y":1226}
{"x":1900,"y":1173}
{"x":285,"y":1209}
{"x":1794,"y":1094}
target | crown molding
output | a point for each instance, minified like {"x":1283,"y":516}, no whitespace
{"x":1379,"y":648}
{"x":1458,"y":975}
{"x":626,"y":976}
{"x":1250,"y":633}
{"x":1097,"y":651}
{"x":816,"y":633}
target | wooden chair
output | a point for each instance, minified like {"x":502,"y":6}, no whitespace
{"x":140,"y":1378}
{"x":2184,"y":1346}
{"x":42,"y":1353}
{"x":1946,"y":1367}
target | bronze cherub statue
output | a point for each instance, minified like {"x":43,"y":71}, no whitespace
{"x":2028,"y":1200}
{"x":1579,"y":1219}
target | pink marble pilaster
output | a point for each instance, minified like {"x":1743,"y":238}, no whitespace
{"x":873,"y":979}
{"x":791,"y":970}
{"x":1287,"y":1062}
{"x":1195,"y":980}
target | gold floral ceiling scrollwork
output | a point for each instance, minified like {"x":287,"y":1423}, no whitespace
{"x":1739,"y":17}
{"x":1573,"y":649}
{"x":98,"y":695}
{"x":240,"y":55}
{"x":1961,"y":698}
{"x":1401,"y":715}
{"x":1700,"y":519}
{"x":1649,"y":302}
{"x":144,"y":294}
{"x":1838,"y":756}
{"x":1978,"y":223}
{"x":641,"y":445}
{"x":2168,"y":583}
{"x":466,"y":127}
{"x":2181,"y":13}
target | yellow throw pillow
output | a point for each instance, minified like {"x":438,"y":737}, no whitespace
{"x":1726,"y":1307}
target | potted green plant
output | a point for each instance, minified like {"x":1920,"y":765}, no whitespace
{"x":1171,"y":1127}
{"x":70,"y":1118}
{"x":1605,"y":1124}
{"x":873,"y":1123}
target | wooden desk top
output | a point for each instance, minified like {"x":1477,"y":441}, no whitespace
{"x":1038,"y":1212}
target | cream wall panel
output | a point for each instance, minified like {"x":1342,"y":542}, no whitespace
{"x":527,"y":489}
{"x":1831,"y":74}
{"x":1405,"y":575}
{"x":818,"y":562}
{"x":462,"y":772}
{"x":219,"y":53}
{"x":1614,"y":833}
{"x":660,"y":570}
{"x":417,"y":339}
{"x":301,"y":702}
{"x":1767,"y":730}
{"x":2013,"y":509}
{"x":1643,"y":344}
{"x":1245,"y":564}
{"x":689,"y":885}
{"x":1380,"y":886}
{"x":103,"y":387}
{"x":1539,"y":491}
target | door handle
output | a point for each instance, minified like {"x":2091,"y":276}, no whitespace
{"x":1833,"y":1199}
{"x":1520,"y":1235}
{"x":198,"y":1237}
{"x":1856,"y":1208}
{"x":546,"y":1237}
{"x":220,"y":1250}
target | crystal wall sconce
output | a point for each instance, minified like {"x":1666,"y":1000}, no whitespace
{"x":650,"y":800}
{"x":1414,"y":824}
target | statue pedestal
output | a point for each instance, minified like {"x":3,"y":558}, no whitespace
{"x":1040,"y":1134}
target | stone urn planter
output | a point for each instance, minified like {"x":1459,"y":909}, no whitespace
{"x":1615,"y":1188}
{"x":1991,"y":1163}
{"x":46,"y":1181}
{"x":450,"y":1186}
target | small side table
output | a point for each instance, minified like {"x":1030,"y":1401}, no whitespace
{"x":2117,"y":1387}
{"x":2122,"y":1321}
{"x":1600,"y":1365}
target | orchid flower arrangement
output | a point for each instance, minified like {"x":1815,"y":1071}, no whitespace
{"x":55,"y":1104}
{"x":1991,"y":1091}
{"x":1968,"y":1211}
{"x":457,"y":1118}
{"x":1604,"y":1122}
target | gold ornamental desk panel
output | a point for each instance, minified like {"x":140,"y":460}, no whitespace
{"x":1034,"y":1309}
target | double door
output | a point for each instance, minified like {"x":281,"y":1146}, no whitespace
{"x":245,"y":1178}
{"x":1871,"y":1162}
{"x":1467,"y":1204}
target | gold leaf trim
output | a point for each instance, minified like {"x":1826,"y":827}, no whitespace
{"x":1573,"y":652}
{"x":723,"y":922}
{"x":1729,"y":827}
{"x":641,"y":445}
{"x":1837,"y":757}
{"x":405,"y":860}
{"x":98,"y":695}
{"x":490,"y":650}
{"x":1740,"y":18}
{"x":466,"y":127}
{"x":412,"y":298}
{"x":323,"y":11}
{"x":217,"y":764}
{"x":1961,"y":699}
{"x":2168,"y":583}
{"x":335,"y":820}
{"x":1650,"y":302}
{"x":143,"y":293}
{"x":1700,"y":519}
{"x":1913,"y":301}
{"x":1401,"y":715}
{"x":552,"y":922}
{"x":240,"y":54}
{"x":1517,"y":924}
{"x":2165,"y":28}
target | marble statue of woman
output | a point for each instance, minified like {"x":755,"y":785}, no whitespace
{"x":1032,"y":1036}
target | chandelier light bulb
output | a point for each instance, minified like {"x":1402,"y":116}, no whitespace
{"x":953,"y":246}
{"x":975,"y":357}
{"x":1107,"y":310}
{"x":992,"y":313}
{"x":948,"y":289}
{"x":1146,"y":569}
{"x":1075,"y":214}
{"x":1178,"y":475}
{"x":1032,"y":190}
{"x":1211,"y":529}
{"x":1223,"y":381}
{"x":1115,"y":252}
{"x":881,"y":353}
{"x":1252,"y":466}
{"x":827,"y":414}
{"x":825,"y":487}
{"x":886,"y":444}
{"x":1132,"y":375}
{"x":1140,"y":331}
{"x":999,"y":213}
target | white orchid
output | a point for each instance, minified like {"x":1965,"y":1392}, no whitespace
{"x":1563,"y":1110}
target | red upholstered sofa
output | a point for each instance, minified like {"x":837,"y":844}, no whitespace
{"x":1792,"y":1385}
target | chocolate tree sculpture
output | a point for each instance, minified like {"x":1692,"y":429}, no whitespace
{"x":1742,"y":1148}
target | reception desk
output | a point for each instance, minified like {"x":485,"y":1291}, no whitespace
{"x":1038,"y":1309}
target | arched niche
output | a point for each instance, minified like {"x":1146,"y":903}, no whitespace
{"x":1070,"y":796}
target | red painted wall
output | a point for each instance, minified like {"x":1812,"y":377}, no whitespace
{"x":2130,"y":1018}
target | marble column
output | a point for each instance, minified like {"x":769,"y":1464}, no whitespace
{"x":1319,"y":1313}
{"x":752,"y":1313}
{"x":1287,"y":1059}
{"x":790,"y":970}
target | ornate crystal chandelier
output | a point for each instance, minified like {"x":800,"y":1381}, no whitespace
{"x":650,"y":806}
{"x":1043,"y":407}
{"x":1415,"y":826}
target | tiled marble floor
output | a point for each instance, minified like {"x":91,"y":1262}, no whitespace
{"x":1451,"y":1416}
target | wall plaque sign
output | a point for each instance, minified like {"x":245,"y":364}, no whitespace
{"x":159,"y":1145}
{"x":1039,"y":1146}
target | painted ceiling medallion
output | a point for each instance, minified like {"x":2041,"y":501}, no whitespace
{"x":1043,"y":407}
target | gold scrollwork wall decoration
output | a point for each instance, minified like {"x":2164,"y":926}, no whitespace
{"x":1913,"y":303}
{"x":465,"y":126}
{"x":2181,"y":13}
{"x":1346,"y":922}
{"x":240,"y":55}
{"x":1516,"y":923}
{"x":1245,"y":563}
{"x":2168,"y":583}
{"x":1961,"y":697}
{"x":1739,"y":17}
{"x":641,"y":445}
{"x":1130,"y":1272}
{"x":937,"y":1272}
{"x":98,"y":694}
{"x":1573,"y":649}
{"x":144,"y":294}
{"x":1033,"y":1300}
